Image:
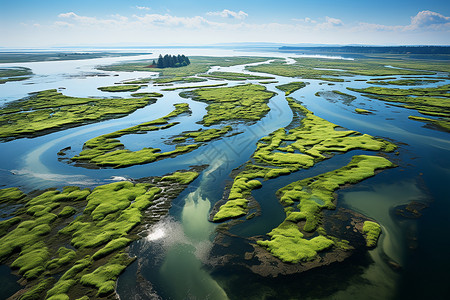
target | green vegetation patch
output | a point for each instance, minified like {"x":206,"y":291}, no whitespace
{"x":286,"y":151}
{"x":179,"y":80}
{"x":11,"y":194}
{"x":321,"y":68}
{"x":243,"y":102}
{"x":48,"y":111}
{"x":181,"y":177}
{"x":5,"y":80}
{"x":428,"y":101}
{"x":287,"y":242}
{"x":439,"y":91}
{"x":199,"y":64}
{"x":332,"y":79}
{"x":207,"y":135}
{"x":194,"y":87}
{"x":107,"y":151}
{"x":120,"y":88}
{"x":152,"y":94}
{"x":234,"y":76}
{"x":291,"y":87}
{"x":439,"y":123}
{"x":14,"y":74}
{"x":104,"y":277}
{"x":372,"y":232}
{"x":362,"y":111}
{"x":404,"y":82}
{"x":37,"y":239}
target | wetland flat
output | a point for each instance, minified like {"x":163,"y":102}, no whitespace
{"x":263,"y":167}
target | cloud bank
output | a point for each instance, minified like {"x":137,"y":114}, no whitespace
{"x":240,"y":15}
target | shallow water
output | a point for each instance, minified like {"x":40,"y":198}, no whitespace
{"x":172,"y":252}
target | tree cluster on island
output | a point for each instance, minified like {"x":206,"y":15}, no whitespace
{"x":171,"y":61}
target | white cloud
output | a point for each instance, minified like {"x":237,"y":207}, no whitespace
{"x":142,"y":7}
{"x":92,"y":21}
{"x":228,"y":14}
{"x":144,"y":27}
{"x":63,"y":24}
{"x":305,"y":20}
{"x":172,"y":21}
{"x":425,"y":19}
{"x":330,"y":23}
{"x":429,"y":19}
{"x":314,"y":24}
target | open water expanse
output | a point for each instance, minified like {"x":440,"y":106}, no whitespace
{"x":411,"y":260}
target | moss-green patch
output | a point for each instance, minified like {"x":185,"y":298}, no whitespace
{"x":31,"y":261}
{"x":179,"y":80}
{"x":315,"y":68}
{"x":243,"y":102}
{"x":11,"y":194}
{"x":120,"y":88}
{"x":181,"y":177}
{"x":234,"y":76}
{"x":122,"y":202}
{"x":429,"y":101}
{"x":403,"y":82}
{"x":36,"y":239}
{"x":203,"y":135}
{"x":288,"y":244}
{"x":439,"y":91}
{"x":14,"y":74}
{"x":237,"y":201}
{"x":7,"y":224}
{"x":195,"y":87}
{"x":36,"y":292}
{"x":372,"y":232}
{"x":440,"y":123}
{"x":67,"y":211}
{"x":314,"y":140}
{"x":49,"y":111}
{"x":291,"y":87}
{"x":151,"y":94}
{"x":106,"y":150}
{"x":314,"y":194}
{"x":59,"y":290}
{"x":112,"y":246}
{"x":65,"y":256}
{"x":362,"y":111}
{"x":104,"y":277}
{"x":332,"y":79}
{"x":138,"y":81}
{"x":5,"y":80}
{"x":26,"y":235}
{"x":199,"y":64}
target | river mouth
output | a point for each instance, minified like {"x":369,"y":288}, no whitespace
{"x":172,"y":256}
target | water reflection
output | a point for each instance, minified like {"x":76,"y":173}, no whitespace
{"x":183,"y":246}
{"x":379,"y":203}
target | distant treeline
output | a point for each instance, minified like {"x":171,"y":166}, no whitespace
{"x":171,"y":61}
{"x":376,"y":49}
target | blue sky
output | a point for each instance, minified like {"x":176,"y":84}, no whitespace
{"x":31,"y":23}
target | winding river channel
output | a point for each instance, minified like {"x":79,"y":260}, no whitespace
{"x":172,"y":256}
